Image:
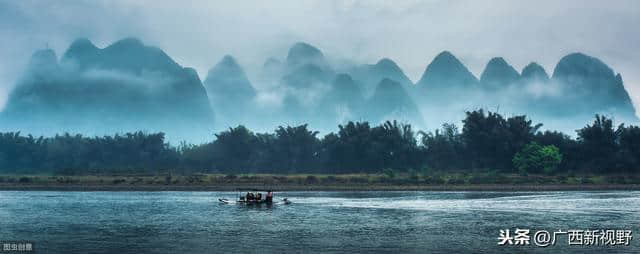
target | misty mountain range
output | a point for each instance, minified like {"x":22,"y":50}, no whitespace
{"x":130,"y":86}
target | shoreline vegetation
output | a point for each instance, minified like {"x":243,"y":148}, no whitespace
{"x":320,"y":182}
{"x":489,"y":153}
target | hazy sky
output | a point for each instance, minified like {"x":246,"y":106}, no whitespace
{"x":198,"y":33}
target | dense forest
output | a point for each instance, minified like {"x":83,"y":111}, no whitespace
{"x":487,"y":141}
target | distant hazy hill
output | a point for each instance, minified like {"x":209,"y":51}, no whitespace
{"x":124,"y":87}
{"x":498,"y":74}
{"x":533,"y":72}
{"x":581,"y":86}
{"x":590,"y":85}
{"x":301,"y":54}
{"x":230,"y":91}
{"x":445,"y":81}
{"x":370,"y":75}
{"x":446,"y":72}
{"x":390,"y":101}
{"x":306,"y":67}
{"x":343,"y":102}
{"x":129,"y":86}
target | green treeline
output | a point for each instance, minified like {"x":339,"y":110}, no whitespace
{"x":486,"y":141}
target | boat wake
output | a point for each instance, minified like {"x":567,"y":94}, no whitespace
{"x":532,"y":203}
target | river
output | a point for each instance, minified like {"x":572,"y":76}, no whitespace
{"x":407,"y":222}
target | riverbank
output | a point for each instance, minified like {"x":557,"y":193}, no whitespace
{"x":320,"y":182}
{"x":509,"y":188}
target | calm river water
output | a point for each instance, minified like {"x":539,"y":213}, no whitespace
{"x":407,"y":222}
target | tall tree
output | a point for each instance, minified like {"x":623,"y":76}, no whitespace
{"x":296,"y":148}
{"x":234,"y":149}
{"x":598,"y":145}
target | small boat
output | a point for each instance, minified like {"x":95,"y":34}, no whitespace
{"x":255,"y":197}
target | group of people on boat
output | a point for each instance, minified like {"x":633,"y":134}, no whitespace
{"x":257,"y":197}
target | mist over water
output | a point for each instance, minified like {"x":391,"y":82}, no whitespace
{"x":413,"y":222}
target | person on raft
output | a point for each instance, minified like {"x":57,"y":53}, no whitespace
{"x":269,"y":196}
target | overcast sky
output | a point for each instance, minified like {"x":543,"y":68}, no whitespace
{"x":198,"y":33}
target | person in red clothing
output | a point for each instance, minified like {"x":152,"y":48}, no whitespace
{"x":269,"y":197}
